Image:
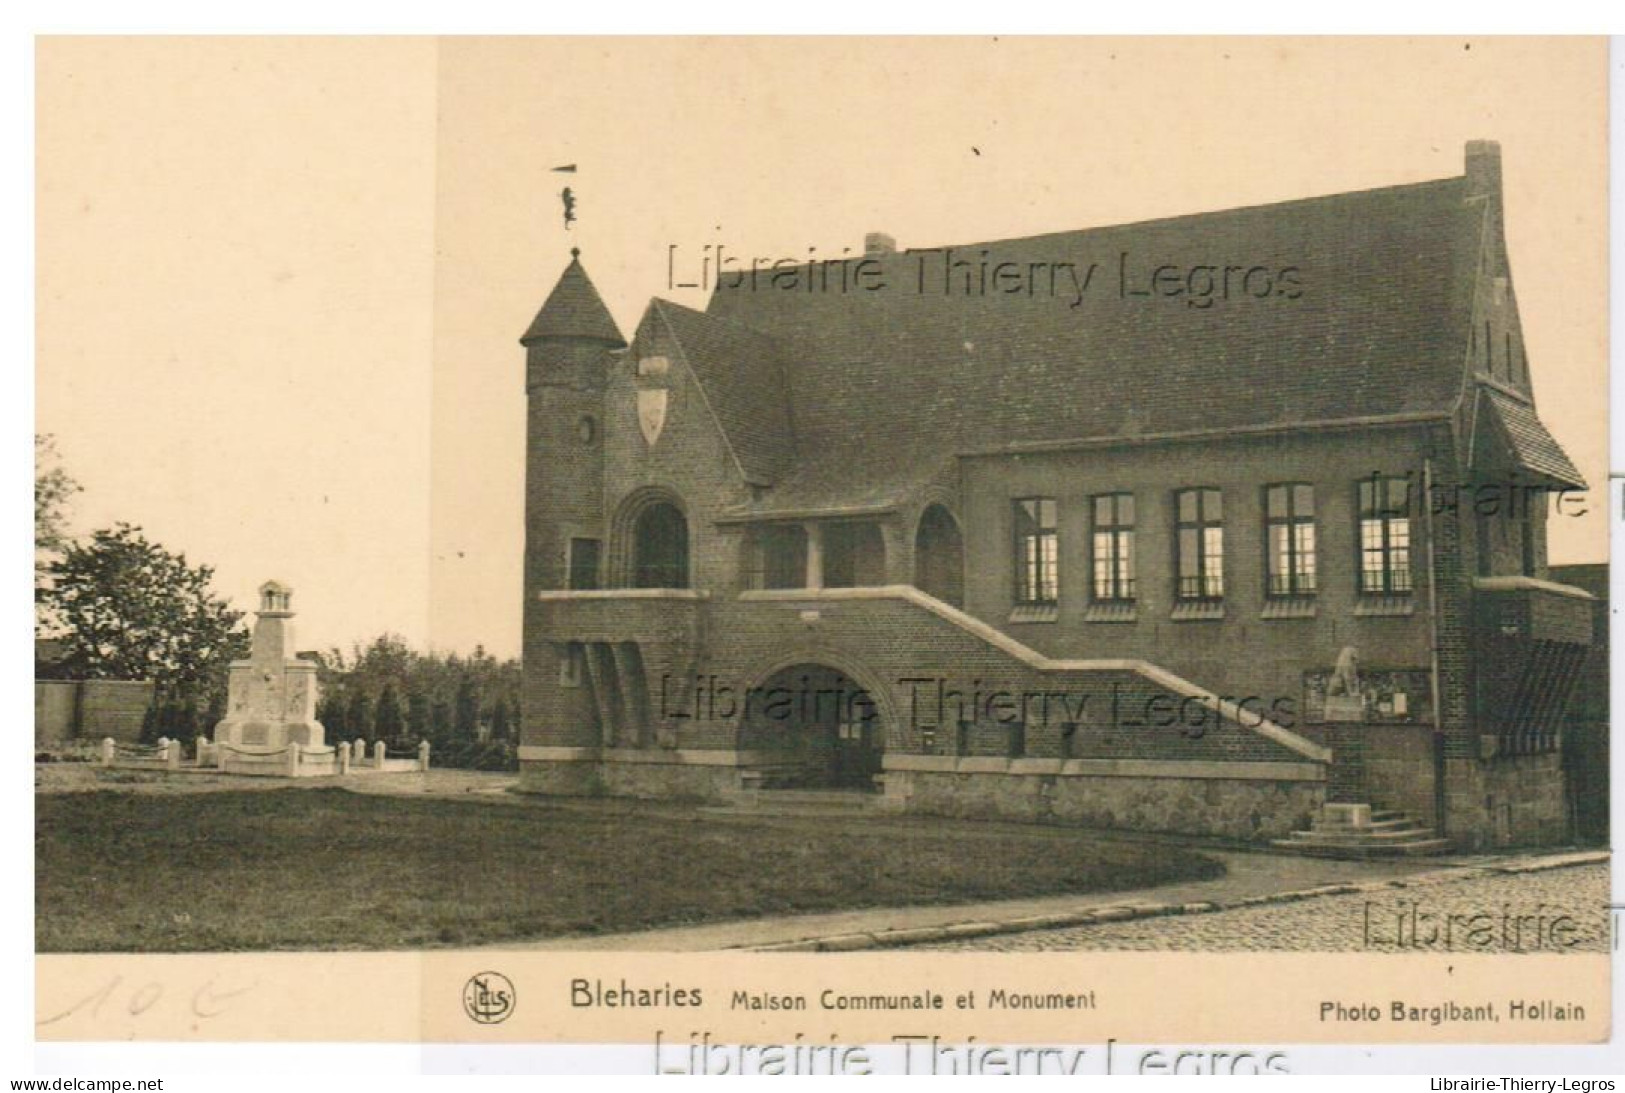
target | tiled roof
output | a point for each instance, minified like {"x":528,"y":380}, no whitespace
{"x":1531,"y":446}
{"x":742,"y":376}
{"x":884,"y":386}
{"x":574,"y":310}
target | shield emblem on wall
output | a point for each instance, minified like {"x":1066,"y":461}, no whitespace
{"x":652,"y":413}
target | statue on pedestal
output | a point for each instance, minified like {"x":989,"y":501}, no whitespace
{"x":1345,"y":698}
{"x":271,"y":696}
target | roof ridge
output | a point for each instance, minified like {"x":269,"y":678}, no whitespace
{"x":718,"y":288}
{"x":713,"y":317}
{"x":1172,"y":218}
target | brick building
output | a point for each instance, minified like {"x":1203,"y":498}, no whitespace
{"x":1195,"y":525}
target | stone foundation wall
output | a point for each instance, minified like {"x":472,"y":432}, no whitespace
{"x":560,"y":779}
{"x":1254,"y":810}
{"x":674,"y":780}
{"x":1507,"y":801}
{"x":669,"y":781}
{"x":1399,"y":770}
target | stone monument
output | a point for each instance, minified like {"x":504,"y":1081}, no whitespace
{"x":271,"y":696}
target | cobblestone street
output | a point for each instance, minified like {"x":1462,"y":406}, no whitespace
{"x":1554,"y":910}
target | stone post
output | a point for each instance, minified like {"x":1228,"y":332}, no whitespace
{"x":378,"y":750}
{"x":423,"y":755}
{"x":108,"y":748}
{"x":202,"y":749}
{"x":358,"y":752}
{"x":172,"y":754}
{"x":341,"y":755}
{"x":293,"y":759}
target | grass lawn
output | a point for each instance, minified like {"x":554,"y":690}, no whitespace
{"x":330,"y":869}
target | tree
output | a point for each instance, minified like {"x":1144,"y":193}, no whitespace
{"x":52,"y":490}
{"x":466,"y":725}
{"x":440,"y":723}
{"x":501,"y":729}
{"x":386,"y":720}
{"x":126,"y":608}
{"x":331,"y":713}
{"x":359,"y":715}
{"x":441,"y":698}
{"x":388,"y":659}
{"x":417,"y":715}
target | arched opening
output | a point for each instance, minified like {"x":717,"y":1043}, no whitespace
{"x":854,"y":555}
{"x":939,"y":556}
{"x":660,"y":547}
{"x":814,"y":726}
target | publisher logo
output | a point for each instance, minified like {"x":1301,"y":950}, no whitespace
{"x":489,"y":998}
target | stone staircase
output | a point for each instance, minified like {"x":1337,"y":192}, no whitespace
{"x":1360,"y":832}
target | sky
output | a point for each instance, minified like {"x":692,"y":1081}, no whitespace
{"x":281,"y":281}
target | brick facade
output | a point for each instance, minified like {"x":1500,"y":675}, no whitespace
{"x":653,"y":677}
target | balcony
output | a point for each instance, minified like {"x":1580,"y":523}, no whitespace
{"x":1530,"y":609}
{"x":650,"y":615}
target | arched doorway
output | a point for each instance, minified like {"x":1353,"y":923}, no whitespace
{"x":814,"y":727}
{"x":939,"y":556}
{"x":660,"y":547}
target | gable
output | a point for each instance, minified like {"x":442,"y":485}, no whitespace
{"x":687,"y":372}
{"x":740,"y":374}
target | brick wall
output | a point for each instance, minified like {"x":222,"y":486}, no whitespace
{"x":563,"y":485}
{"x":924,"y":673}
{"x":1243,"y":653}
{"x":90,"y":709}
{"x":55,"y":709}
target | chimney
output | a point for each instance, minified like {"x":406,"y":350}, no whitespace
{"x":1484,"y":169}
{"x":878,"y":245}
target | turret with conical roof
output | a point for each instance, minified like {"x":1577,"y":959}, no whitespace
{"x":570,"y":348}
{"x":574,"y":310}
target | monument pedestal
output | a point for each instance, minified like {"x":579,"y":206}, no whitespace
{"x":271,"y":696}
{"x":1345,"y":708}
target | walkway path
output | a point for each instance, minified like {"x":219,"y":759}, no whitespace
{"x":1554,"y":910}
{"x":1251,"y":877}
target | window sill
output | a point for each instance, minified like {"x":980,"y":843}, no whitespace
{"x":1112,"y":612}
{"x":1299,"y":608}
{"x":1385,"y":606}
{"x":1035,"y":612}
{"x":1197,"y":610}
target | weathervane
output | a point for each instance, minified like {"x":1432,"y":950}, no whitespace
{"x":567,"y":195}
